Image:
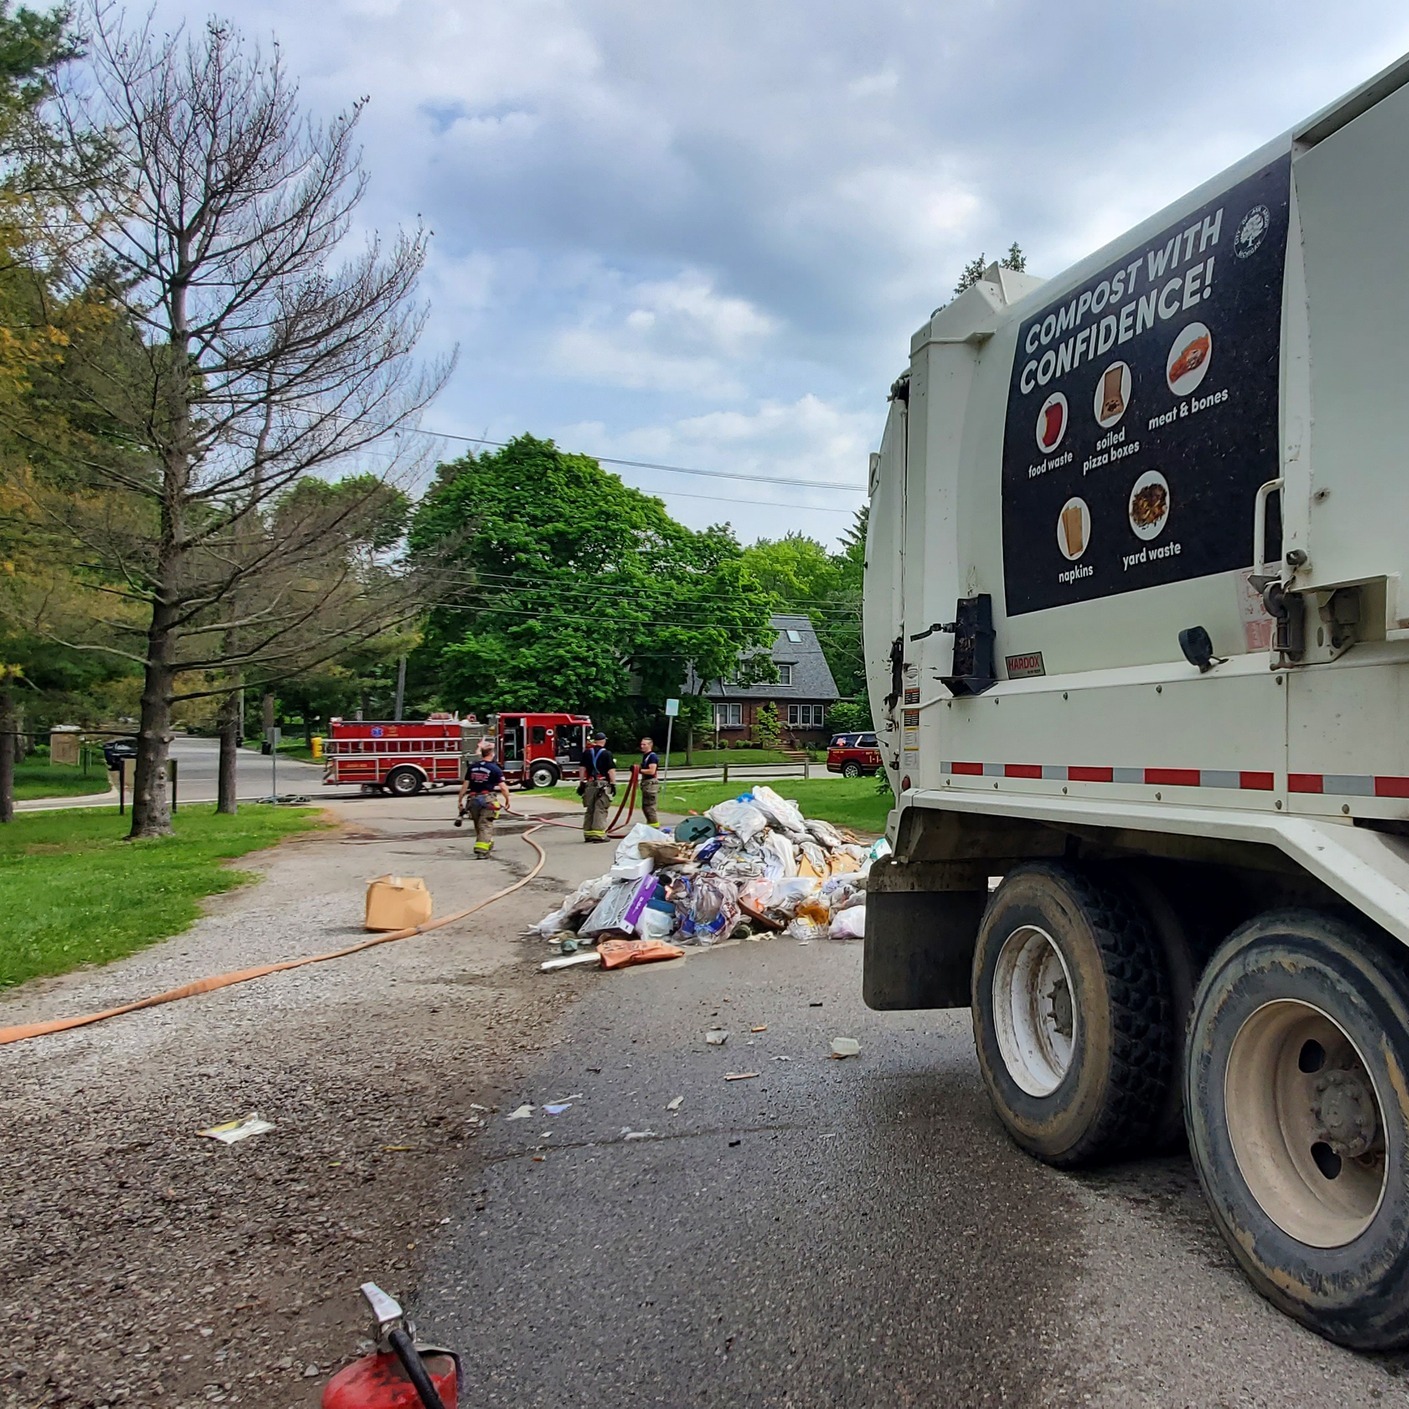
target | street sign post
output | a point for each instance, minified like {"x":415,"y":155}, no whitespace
{"x":271,"y":736}
{"x":672,"y":708}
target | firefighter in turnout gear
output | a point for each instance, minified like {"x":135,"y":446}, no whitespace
{"x":650,"y":781}
{"x":598,"y":787}
{"x":480,"y":796}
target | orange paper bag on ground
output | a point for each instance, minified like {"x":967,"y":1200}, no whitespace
{"x":618,"y":953}
{"x":397,"y":903}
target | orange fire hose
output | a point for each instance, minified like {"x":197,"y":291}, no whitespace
{"x":208,"y":985}
{"x":626,"y":805}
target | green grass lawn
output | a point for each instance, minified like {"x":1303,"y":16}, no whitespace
{"x":37,"y":777}
{"x":845,"y":802}
{"x":713,"y":758}
{"x":73,"y":892}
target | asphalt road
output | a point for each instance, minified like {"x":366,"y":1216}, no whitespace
{"x":198,"y":772}
{"x":854,"y":1232}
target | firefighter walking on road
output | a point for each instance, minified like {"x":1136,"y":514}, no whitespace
{"x":482,"y":794}
{"x":598,"y":787}
{"x":650,"y":781}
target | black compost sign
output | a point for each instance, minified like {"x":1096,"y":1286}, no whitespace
{"x":1142,"y":414}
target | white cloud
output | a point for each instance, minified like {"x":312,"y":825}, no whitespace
{"x":708,"y":231}
{"x":805,"y":439}
{"x":676,"y":334}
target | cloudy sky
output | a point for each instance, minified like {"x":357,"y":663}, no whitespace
{"x":701,"y":234}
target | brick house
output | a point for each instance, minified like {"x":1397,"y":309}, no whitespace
{"x":803,"y":692}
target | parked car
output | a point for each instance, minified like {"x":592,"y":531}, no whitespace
{"x":114,"y":749}
{"x":854,"y":755}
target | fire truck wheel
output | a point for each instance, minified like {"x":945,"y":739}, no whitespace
{"x":1071,"y":1015}
{"x":1298,"y":1115}
{"x":403,"y":782}
{"x":542,"y":775}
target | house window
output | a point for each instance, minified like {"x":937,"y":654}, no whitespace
{"x":806,"y":716}
{"x":729,"y":716}
{"x":785,"y":675}
{"x":795,"y":637}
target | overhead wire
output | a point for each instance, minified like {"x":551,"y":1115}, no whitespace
{"x":787,"y":480}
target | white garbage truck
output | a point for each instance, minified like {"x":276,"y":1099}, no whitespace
{"x":1137,"y":643}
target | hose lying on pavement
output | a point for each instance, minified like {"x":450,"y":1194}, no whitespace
{"x":208,"y":985}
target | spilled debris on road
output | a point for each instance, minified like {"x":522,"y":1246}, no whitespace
{"x":752,"y":867}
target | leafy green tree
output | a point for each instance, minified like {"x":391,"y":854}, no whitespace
{"x":571,"y":591}
{"x":274,"y":350}
{"x":767,"y":730}
{"x":849,"y":716}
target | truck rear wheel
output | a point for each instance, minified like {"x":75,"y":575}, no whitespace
{"x":1298,"y":1117}
{"x":542,"y":775}
{"x":1072,"y":1016}
{"x":403,"y":782}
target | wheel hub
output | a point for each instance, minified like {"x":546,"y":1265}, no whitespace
{"x":1305,"y":1123}
{"x":1059,"y":1007}
{"x":1034,"y":1016}
{"x":1346,"y":1113}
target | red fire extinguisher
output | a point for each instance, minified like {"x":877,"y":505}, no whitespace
{"x":400,"y":1373}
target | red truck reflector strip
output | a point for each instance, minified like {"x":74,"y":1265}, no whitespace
{"x":1243,"y":780}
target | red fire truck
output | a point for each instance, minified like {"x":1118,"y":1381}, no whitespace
{"x":404,"y":757}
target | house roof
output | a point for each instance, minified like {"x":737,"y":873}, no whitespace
{"x":812,"y":678}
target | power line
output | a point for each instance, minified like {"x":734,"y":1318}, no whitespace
{"x":695,"y":612}
{"x":667,"y":469}
{"x":531,"y":582}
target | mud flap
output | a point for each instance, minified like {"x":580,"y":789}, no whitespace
{"x":919,"y":945}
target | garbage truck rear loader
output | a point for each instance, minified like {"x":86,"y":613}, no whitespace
{"x":1137,"y":641}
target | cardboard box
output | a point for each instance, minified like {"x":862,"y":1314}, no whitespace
{"x":397,"y":903}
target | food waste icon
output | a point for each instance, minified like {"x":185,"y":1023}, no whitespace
{"x":1051,"y":423}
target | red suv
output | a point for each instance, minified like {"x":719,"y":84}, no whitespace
{"x":854,"y":755}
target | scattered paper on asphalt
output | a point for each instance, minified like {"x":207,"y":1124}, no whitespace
{"x":741,"y":1075}
{"x":717,"y":1036}
{"x":675,"y":1104}
{"x":233,"y":1131}
{"x":522,"y":1113}
{"x":845,"y":1047}
{"x":557,"y":1107}
{"x":628,"y":1134}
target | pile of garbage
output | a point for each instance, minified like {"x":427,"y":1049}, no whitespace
{"x":750,"y":867}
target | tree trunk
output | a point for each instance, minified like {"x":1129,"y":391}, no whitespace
{"x":229,"y":725}
{"x":7,"y":752}
{"x":151,"y":803}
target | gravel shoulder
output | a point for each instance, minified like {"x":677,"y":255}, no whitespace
{"x":146,"y":1265}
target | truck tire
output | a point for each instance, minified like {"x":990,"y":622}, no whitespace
{"x":542,"y":775}
{"x":404,"y":782}
{"x":1072,"y":1016}
{"x":1187,"y":937}
{"x":1298,"y":1116}
{"x":851,"y":770}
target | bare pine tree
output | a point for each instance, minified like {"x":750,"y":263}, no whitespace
{"x":266,"y":350}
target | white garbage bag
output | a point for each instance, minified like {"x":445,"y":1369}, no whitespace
{"x":742,"y":818}
{"x":629,"y":848}
{"x":849,"y":923}
{"x":779,"y":811}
